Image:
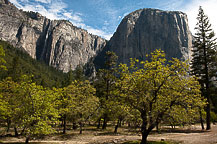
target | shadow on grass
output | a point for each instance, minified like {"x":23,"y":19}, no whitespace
{"x":66,"y":136}
{"x":177,"y":130}
{"x":93,"y":129}
{"x":29,"y":143}
{"x":108,"y":133}
{"x":150,"y":142}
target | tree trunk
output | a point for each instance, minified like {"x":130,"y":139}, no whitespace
{"x":201,"y":120}
{"x":157,"y":127}
{"x":208,"y":124}
{"x":144,"y":128}
{"x":15,"y":132}
{"x":120,"y":122}
{"x":8,"y":125}
{"x":64,"y":124}
{"x":27,"y":139}
{"x":99,"y":123}
{"x":80,"y":127}
{"x":74,"y":126}
{"x":171,"y":125}
{"x":22,"y":131}
{"x":144,"y":138}
{"x":123,"y":123}
{"x":116,"y":127}
{"x":129,"y":125}
{"x":144,"y":132}
{"x":104,"y":123}
{"x":207,"y":94}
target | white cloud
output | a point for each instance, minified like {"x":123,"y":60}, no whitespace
{"x":56,"y":9}
{"x":78,"y":21}
{"x":125,"y":14}
{"x":44,"y":1}
{"x":73,"y":17}
{"x":24,"y":0}
{"x":94,"y":31}
{"x":98,"y":32}
{"x":171,"y":4}
{"x":53,"y":9}
{"x":210,"y":9}
{"x":16,"y":3}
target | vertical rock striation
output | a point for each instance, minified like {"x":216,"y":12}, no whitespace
{"x":145,"y":30}
{"x":57,"y":42}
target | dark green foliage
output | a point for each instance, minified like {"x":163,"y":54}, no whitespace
{"x":15,"y":71}
{"x":18,"y":62}
{"x":77,"y":74}
{"x":204,"y":64}
{"x":204,"y":49}
{"x":68,"y":79}
{"x":105,"y":85}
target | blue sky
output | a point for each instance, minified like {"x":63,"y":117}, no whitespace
{"x":101,"y":17}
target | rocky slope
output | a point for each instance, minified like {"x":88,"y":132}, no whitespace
{"x":57,"y":42}
{"x":145,"y":30}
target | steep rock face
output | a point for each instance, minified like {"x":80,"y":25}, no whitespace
{"x":58,"y":42}
{"x":145,"y":30}
{"x":64,"y":46}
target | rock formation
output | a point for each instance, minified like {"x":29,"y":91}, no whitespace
{"x":58,"y":42}
{"x":64,"y":46}
{"x":145,"y":30}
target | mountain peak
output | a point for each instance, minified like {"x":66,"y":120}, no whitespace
{"x":4,"y":2}
{"x":64,"y":46}
{"x":57,"y":42}
{"x":145,"y":30}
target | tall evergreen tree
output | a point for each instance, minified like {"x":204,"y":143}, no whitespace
{"x":105,"y":84}
{"x":16,"y":70}
{"x":204,"y":64}
{"x":2,"y":61}
{"x":79,"y":73}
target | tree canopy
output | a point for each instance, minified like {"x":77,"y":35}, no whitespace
{"x":204,"y":62}
{"x":157,"y":89}
{"x":2,"y":60}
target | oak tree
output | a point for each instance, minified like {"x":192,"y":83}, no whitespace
{"x":156,"y":89}
{"x":37,"y":108}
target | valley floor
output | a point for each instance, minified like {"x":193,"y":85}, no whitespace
{"x":188,"y":135}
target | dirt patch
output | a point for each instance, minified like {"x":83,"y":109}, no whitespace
{"x":193,"y":135}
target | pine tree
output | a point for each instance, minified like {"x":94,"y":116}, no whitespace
{"x":204,"y":64}
{"x":105,"y":84}
{"x":2,"y":61}
{"x":16,"y":70}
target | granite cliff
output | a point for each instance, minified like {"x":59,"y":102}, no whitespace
{"x":57,"y":42}
{"x":145,"y":30}
{"x":64,"y":46}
